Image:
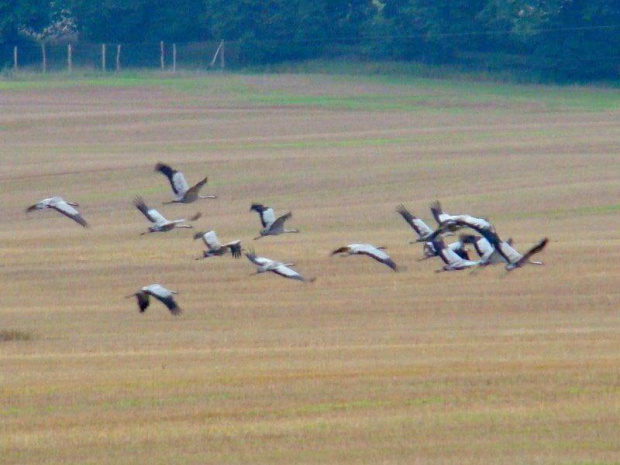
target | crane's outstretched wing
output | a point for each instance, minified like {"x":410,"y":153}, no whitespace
{"x":449,"y":256}
{"x":471,"y":221}
{"x":211,"y":240}
{"x":235,"y":248}
{"x":266,"y":214}
{"x":177,"y":180}
{"x":419,"y":226}
{"x":143,"y":301}
{"x":508,"y":253}
{"x":279,"y":223}
{"x":170,"y":303}
{"x":286,"y":272}
{"x":386,"y":261}
{"x":258,"y":261}
{"x":164,"y":295}
{"x":70,"y":212}
{"x":377,"y":254}
{"x":527,"y":255}
{"x":481,"y":245}
{"x":438,"y":213}
{"x":153,"y":215}
{"x":192,"y":193}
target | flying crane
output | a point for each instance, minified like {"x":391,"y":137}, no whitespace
{"x":424,"y":232}
{"x":182,"y":191}
{"x":265,"y":265}
{"x":451,"y":223}
{"x":165,"y":296}
{"x":214,"y":248}
{"x":376,"y":253}
{"x":160,"y":223}
{"x":452,"y":260}
{"x":271,"y":225}
{"x":61,"y":206}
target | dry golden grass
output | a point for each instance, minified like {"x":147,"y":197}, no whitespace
{"x":363,"y":366}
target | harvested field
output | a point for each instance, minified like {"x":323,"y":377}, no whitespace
{"x":362,"y":366}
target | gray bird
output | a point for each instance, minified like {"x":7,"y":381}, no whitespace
{"x":265,"y":265}
{"x":160,"y":224}
{"x":214,"y":248}
{"x":271,"y":225}
{"x":165,"y":296}
{"x":61,"y":206}
{"x":182,"y":191}
{"x":376,"y":253}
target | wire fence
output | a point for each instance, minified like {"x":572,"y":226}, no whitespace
{"x":559,"y":64}
{"x":47,"y":57}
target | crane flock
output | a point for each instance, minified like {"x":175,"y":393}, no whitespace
{"x":487,"y":244}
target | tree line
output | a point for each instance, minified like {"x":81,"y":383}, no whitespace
{"x":559,"y":40}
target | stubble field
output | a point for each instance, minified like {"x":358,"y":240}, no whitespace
{"x":362,"y":366}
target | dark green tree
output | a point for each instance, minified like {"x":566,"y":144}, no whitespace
{"x":434,"y":30}
{"x":580,"y":42}
{"x":8,"y":21}
{"x":16,"y":15}
{"x":141,"y":20}
{"x":276,"y":30}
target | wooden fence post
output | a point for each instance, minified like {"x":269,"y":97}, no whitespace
{"x":217,"y":52}
{"x":44,"y":57}
{"x":118,"y":58}
{"x":103,"y":57}
{"x":69,"y":58}
{"x":15,"y":67}
{"x":174,"y":58}
{"x":161,"y":55}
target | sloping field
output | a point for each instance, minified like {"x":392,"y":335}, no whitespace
{"x":362,"y":366}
